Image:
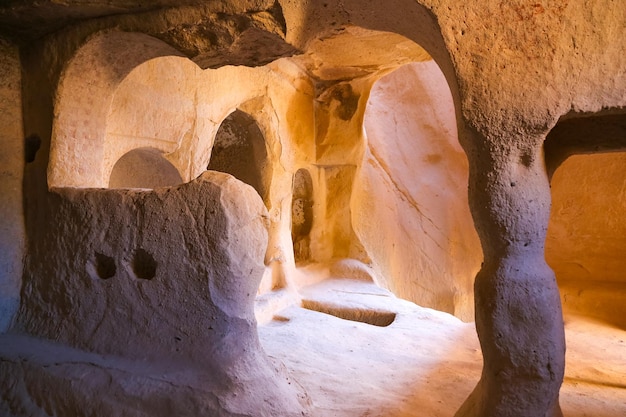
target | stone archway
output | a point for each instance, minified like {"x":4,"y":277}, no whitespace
{"x":240,"y":150}
{"x":86,"y":93}
{"x":423,"y":240}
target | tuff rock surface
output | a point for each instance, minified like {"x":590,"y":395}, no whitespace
{"x":366,"y":100}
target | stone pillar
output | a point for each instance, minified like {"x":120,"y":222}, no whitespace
{"x":518,"y":309}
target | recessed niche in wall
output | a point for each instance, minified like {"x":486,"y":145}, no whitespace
{"x":143,"y":264}
{"x":302,"y":214}
{"x":239,"y":149}
{"x":586,"y":240}
{"x":144,"y":168}
{"x":144,"y":98}
{"x":585,"y":159}
{"x":31,"y":146}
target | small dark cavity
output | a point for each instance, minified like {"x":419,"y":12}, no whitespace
{"x":143,"y":264}
{"x":105,"y":266}
{"x":31,"y":145}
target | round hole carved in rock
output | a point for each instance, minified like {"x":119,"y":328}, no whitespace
{"x":143,"y":264}
{"x":104,"y":266}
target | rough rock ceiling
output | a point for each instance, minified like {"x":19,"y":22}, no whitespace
{"x":247,"y":32}
{"x":25,"y":20}
{"x":355,"y":52}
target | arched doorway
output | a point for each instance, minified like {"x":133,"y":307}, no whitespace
{"x":422,"y":240}
{"x":239,"y":149}
{"x":584,"y":246}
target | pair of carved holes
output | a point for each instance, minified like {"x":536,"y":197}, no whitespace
{"x":143,"y":265}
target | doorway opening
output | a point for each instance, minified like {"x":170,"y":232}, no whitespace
{"x":585,"y":244}
{"x":239,"y":149}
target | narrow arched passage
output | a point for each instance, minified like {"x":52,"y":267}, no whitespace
{"x":414,"y":183}
{"x":240,"y":150}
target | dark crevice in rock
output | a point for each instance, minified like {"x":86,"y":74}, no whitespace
{"x":373,"y":317}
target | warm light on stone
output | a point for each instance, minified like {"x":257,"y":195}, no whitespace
{"x":325,"y":208}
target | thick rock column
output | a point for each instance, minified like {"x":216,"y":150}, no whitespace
{"x":518,"y":310}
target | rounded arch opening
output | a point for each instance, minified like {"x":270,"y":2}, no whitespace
{"x":144,"y":168}
{"x":85,"y":95}
{"x":240,"y":150}
{"x":585,"y":158}
{"x":422,"y":240}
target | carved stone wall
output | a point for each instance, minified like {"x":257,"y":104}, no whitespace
{"x":115,"y":277}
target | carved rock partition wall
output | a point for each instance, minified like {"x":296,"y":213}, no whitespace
{"x":158,"y":284}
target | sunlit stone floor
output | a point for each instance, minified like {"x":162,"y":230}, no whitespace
{"x":423,"y":364}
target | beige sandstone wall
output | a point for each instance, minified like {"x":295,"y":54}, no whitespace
{"x":587,"y":234}
{"x":212,"y":361}
{"x":178,"y":114}
{"x":164,"y":277}
{"x":514,"y":70}
{"x":409,"y":205}
{"x":154,"y":106}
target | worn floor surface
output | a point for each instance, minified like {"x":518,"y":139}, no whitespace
{"x":423,"y":364}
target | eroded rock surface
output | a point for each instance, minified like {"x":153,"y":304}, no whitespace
{"x":164,"y":278}
{"x":99,"y":264}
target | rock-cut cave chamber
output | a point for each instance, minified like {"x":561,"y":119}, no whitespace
{"x":213,"y":214}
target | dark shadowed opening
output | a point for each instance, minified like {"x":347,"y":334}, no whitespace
{"x":302,"y":214}
{"x":239,"y":150}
